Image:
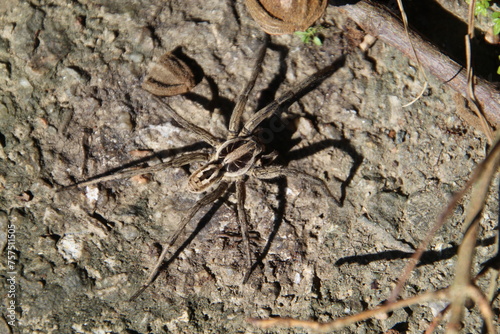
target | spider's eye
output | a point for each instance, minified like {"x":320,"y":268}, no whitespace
{"x":204,"y":177}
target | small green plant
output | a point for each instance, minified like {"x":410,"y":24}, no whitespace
{"x":310,"y":35}
{"x":496,"y":22}
{"x":482,"y":7}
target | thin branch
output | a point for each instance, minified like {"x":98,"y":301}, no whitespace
{"x":420,"y":67}
{"x":491,"y":161}
{"x":380,"y":23}
{"x":471,"y":95}
{"x":343,"y":322}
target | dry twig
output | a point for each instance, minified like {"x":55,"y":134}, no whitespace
{"x":471,"y":95}
{"x":463,"y":287}
{"x":378,"y":22}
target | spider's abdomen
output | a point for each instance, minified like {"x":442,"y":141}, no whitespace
{"x":205,"y":177}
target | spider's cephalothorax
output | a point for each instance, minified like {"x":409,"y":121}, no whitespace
{"x":239,"y":156}
{"x":235,"y":157}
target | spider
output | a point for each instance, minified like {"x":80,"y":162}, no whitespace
{"x":241,"y":155}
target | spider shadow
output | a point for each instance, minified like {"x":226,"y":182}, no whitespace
{"x":283,"y":183}
{"x":342,"y":144}
{"x":278,"y":220}
{"x":267,"y":95}
{"x":202,"y":223}
{"x":208,"y":104}
{"x":283,"y":144}
{"x":429,"y":257}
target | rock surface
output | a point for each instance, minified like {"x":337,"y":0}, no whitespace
{"x":71,"y":107}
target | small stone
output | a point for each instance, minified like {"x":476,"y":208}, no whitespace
{"x":70,"y":248}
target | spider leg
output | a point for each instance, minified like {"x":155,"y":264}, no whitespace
{"x":290,"y":96}
{"x":178,"y":161}
{"x":242,"y":218}
{"x":272,"y":172}
{"x":207,"y":199}
{"x":202,"y":133}
{"x":235,"y":122}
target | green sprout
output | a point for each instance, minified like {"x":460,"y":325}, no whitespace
{"x":495,"y":16}
{"x":310,"y":35}
{"x":481,"y":7}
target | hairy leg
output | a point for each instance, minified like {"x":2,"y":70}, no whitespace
{"x":273,"y":172}
{"x":235,"y":122}
{"x":201,"y":133}
{"x":206,"y":200}
{"x":242,"y":218}
{"x":178,"y":161}
{"x":289,"y":97}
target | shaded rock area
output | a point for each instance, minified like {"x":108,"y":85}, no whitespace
{"x":72,"y":106}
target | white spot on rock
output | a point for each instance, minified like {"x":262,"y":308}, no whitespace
{"x":297,"y":279}
{"x":70,"y":248}
{"x":92,"y":194}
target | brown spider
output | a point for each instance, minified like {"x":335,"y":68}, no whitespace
{"x":240,"y":155}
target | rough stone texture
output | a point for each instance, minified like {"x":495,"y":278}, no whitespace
{"x":72,"y":107}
